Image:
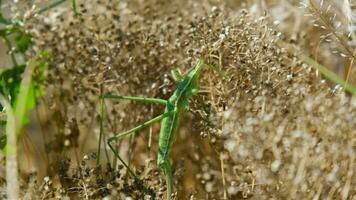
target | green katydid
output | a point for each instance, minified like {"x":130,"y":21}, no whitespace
{"x":187,"y":86}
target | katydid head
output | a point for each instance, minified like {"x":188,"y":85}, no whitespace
{"x":188,"y":84}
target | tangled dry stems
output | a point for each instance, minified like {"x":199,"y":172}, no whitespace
{"x":276,"y":129}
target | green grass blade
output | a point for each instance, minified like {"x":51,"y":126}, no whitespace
{"x":322,"y":69}
{"x":25,"y":96}
{"x":49,"y":6}
{"x":328,"y":73}
{"x":73,"y":4}
{"x":12,"y":186}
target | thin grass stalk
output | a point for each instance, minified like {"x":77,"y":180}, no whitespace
{"x":331,"y":29}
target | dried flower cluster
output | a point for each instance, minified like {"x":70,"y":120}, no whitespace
{"x":287,"y":134}
{"x":272,"y":130}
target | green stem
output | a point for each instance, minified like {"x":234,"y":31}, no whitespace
{"x":49,"y":6}
{"x":328,"y":73}
{"x":322,"y":69}
{"x":74,"y":6}
{"x":12,"y":188}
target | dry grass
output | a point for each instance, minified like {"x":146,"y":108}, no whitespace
{"x":275,"y":130}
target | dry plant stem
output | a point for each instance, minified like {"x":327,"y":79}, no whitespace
{"x":101,"y":130}
{"x":86,"y":196}
{"x":349,"y":70}
{"x":43,"y":135}
{"x":346,"y":189}
{"x":9,"y":46}
{"x":12,"y":189}
{"x":331,"y":29}
{"x":342,"y":41}
{"x":223,"y":175}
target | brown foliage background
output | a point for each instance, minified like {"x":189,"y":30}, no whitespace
{"x":275,"y":130}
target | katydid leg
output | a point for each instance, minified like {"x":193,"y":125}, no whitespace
{"x":118,"y":97}
{"x":167,"y":169}
{"x":133,"y":131}
{"x":138,"y":99}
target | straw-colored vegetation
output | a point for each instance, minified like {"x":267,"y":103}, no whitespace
{"x":282,"y":126}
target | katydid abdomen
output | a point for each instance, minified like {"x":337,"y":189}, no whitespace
{"x":169,"y":127}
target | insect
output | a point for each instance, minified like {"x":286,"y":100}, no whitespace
{"x":187,"y":86}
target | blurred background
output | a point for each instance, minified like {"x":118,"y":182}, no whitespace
{"x":276,"y":130}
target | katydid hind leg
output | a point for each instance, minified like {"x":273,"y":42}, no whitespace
{"x":133,"y":131}
{"x":167,"y":169}
{"x":118,"y":97}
